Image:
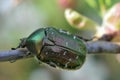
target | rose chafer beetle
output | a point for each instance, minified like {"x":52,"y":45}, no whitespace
{"x":56,"y":48}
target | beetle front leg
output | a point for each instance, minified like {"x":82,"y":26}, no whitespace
{"x":21,"y":44}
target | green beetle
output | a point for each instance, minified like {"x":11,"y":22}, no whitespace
{"x":57,"y":48}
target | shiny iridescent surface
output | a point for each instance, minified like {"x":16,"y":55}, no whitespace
{"x":34,"y":41}
{"x":57,"y":48}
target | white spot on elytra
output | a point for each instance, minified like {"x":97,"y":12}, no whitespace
{"x":67,"y":64}
{"x":61,"y":30}
{"x":65,"y":53}
{"x":70,"y":59}
{"x":52,"y":33}
{"x":46,"y":53}
{"x":77,"y":57}
{"x":66,"y":43}
{"x":74,"y":37}
{"x":68,"y":33}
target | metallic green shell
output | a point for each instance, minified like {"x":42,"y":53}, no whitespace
{"x":67,"y":40}
{"x":34,"y":41}
{"x":57,"y":48}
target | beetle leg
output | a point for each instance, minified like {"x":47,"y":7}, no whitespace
{"x":52,"y":64}
{"x":21,"y":44}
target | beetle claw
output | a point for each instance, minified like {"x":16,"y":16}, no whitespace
{"x":21,"y":44}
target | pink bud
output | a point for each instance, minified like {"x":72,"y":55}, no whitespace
{"x":67,"y":3}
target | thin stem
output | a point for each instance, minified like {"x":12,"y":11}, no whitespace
{"x":94,"y":47}
{"x":13,"y":55}
{"x":98,"y":47}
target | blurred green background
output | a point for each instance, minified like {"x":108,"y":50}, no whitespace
{"x":19,"y":18}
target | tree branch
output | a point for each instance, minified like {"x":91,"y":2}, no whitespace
{"x":98,"y":47}
{"x":13,"y":55}
{"x":94,"y":47}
